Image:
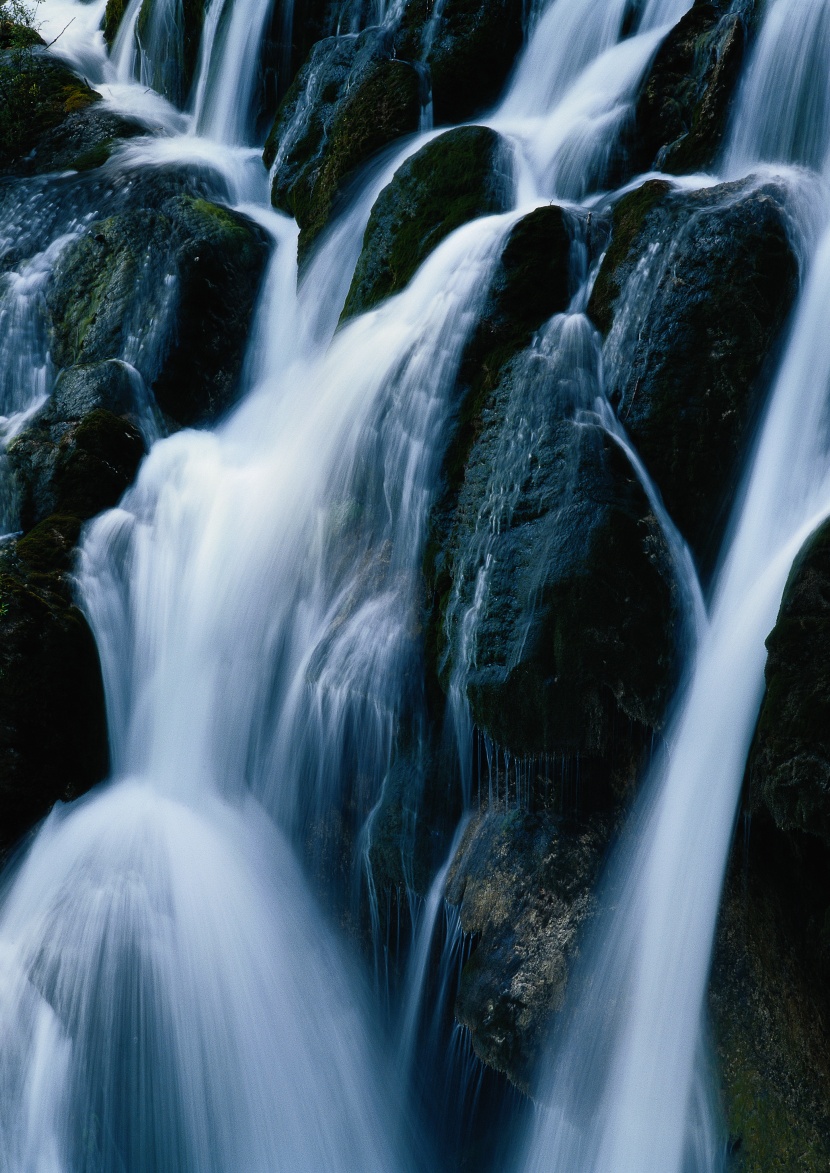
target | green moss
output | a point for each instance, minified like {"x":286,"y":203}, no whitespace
{"x":113,"y":15}
{"x":629,"y":220}
{"x":38,"y":93}
{"x":96,"y":156}
{"x":453,"y":179}
{"x":48,"y":547}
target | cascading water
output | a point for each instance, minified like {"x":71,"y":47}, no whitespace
{"x":254,"y":601}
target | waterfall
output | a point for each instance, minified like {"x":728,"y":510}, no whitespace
{"x":173,"y":993}
{"x":626,"y":1089}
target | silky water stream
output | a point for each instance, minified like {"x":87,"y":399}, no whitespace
{"x":172,"y":995}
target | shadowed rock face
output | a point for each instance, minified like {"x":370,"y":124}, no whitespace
{"x":789,"y":765}
{"x":457,"y":177}
{"x":692,"y":295}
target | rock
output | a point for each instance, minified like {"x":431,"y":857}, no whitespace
{"x":171,"y":47}
{"x":39,"y":94}
{"x":168,"y":286}
{"x":457,"y":177}
{"x":683,"y":106}
{"x":346,"y":104}
{"x":523,"y":883}
{"x":468,"y":47}
{"x":82,"y":451}
{"x":789,"y":764}
{"x":53,"y":736}
{"x":693,"y":293}
{"x":113,"y":15}
{"x":768,"y":1002}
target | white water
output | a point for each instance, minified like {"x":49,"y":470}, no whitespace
{"x":254,"y":602}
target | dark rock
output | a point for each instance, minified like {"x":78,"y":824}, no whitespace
{"x":346,"y":104}
{"x":53,"y":737}
{"x":789,"y":765}
{"x":469,"y":50}
{"x":768,"y":1001}
{"x":523,"y":883}
{"x":83,"y":449}
{"x":171,"y":47}
{"x":82,"y":141}
{"x":39,"y":94}
{"x":683,"y":107}
{"x":694,"y":291}
{"x":457,"y":177}
{"x":171,"y":288}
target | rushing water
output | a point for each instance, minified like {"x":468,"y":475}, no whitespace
{"x":172,"y":996}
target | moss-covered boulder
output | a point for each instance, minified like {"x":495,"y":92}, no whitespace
{"x":457,"y":177}
{"x":53,"y":738}
{"x":170,"y":286}
{"x":82,"y":450}
{"x":39,"y":93}
{"x":693,"y":293}
{"x":789,"y":764}
{"x":348,"y":103}
{"x":523,"y":883}
{"x":683,"y":107}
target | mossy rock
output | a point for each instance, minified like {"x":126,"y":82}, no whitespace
{"x":53,"y":737}
{"x":523,"y":883}
{"x":694,"y":292}
{"x":683,"y":108}
{"x":169,"y":286}
{"x":172,"y":47}
{"x":113,"y":15}
{"x":789,"y":764}
{"x":79,"y":455}
{"x":456,"y":177}
{"x":39,"y":94}
{"x":384,"y":107}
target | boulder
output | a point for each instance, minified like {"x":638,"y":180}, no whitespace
{"x":171,"y":47}
{"x":169,"y":285}
{"x":456,"y":177}
{"x":684,"y":104}
{"x":346,"y":104}
{"x":692,"y":294}
{"x":789,"y":764}
{"x":39,"y":94}
{"x":82,"y":451}
{"x":523,"y":883}
{"x":53,"y":735}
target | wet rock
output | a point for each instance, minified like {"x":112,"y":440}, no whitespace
{"x":523,"y":883}
{"x":683,"y":107}
{"x":113,"y":15}
{"x":768,"y":1002}
{"x":468,"y":47}
{"x":53,"y":738}
{"x":170,"y":286}
{"x":82,"y":451}
{"x":172,"y":48}
{"x":39,"y":94}
{"x":789,"y":764}
{"x":457,"y":177}
{"x":347,"y":103}
{"x":693,"y":293}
